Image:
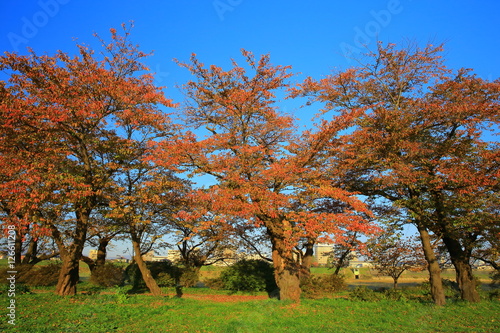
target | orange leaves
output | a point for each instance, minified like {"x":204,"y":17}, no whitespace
{"x":266,"y":172}
{"x":74,"y":126}
{"x":417,"y":133}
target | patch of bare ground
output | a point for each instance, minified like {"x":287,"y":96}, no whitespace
{"x":227,"y":298}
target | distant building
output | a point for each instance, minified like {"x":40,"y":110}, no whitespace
{"x":322,"y":252}
{"x":148,"y":256}
{"x":356,"y":262}
{"x":93,"y":254}
{"x":151,"y":256}
{"x":120,"y":259}
{"x":174,"y":255}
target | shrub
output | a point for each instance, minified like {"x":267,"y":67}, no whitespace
{"x":46,"y":275}
{"x":22,"y":274}
{"x":189,"y":276}
{"x":133,"y":276}
{"x":164,"y":272}
{"x":214,"y":283}
{"x":494,"y":295}
{"x":249,"y":275}
{"x":164,"y":279}
{"x":495,"y":277}
{"x":449,"y":284}
{"x":362,"y":293}
{"x":321,"y":286}
{"x":108,"y":275}
{"x":395,"y":295}
{"x":20,"y":288}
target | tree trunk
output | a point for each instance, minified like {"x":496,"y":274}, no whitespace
{"x":101,"y":252}
{"x":90,"y":263}
{"x":435,"y":281}
{"x":31,"y":251}
{"x":18,"y":246}
{"x":286,"y":271}
{"x":69,"y":276}
{"x":463,"y":269}
{"x":101,"y":255}
{"x":145,"y":272}
{"x":71,"y":255}
{"x":307,"y":260}
{"x":341,"y":261}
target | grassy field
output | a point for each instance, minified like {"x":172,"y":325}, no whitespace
{"x":117,"y":312}
{"x":204,"y":310}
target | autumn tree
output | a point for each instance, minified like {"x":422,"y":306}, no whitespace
{"x":202,"y":241}
{"x":488,"y":252}
{"x":102,"y":231}
{"x":393,"y":254}
{"x":71,"y":108}
{"x":418,"y":142}
{"x":343,"y":252}
{"x":261,"y":164}
{"x":146,"y":196}
{"x":20,"y":190}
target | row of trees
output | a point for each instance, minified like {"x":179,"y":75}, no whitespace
{"x":88,"y":151}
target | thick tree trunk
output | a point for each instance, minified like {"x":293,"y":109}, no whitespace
{"x":435,"y":281}
{"x":286,"y":271}
{"x":145,"y":272}
{"x":307,"y":260}
{"x":71,"y":255}
{"x":69,"y":276}
{"x":461,"y":261}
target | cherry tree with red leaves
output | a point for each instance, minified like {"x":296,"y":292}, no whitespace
{"x":263,"y":167}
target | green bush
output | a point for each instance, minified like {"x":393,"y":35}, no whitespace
{"x":189,"y":276}
{"x":165,"y":279}
{"x":395,"y":295}
{"x":108,"y":275}
{"x":214,"y":283}
{"x":362,"y":293}
{"x":20,"y":288}
{"x":323,"y":285}
{"x":249,"y":275}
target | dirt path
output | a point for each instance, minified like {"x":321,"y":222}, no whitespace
{"x":226,"y":298}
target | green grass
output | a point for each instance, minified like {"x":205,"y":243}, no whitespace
{"x":112,"y":310}
{"x":46,"y":312}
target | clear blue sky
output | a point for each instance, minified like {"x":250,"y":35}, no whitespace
{"x":311,"y":36}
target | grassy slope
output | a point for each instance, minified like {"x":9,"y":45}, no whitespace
{"x":140,"y":313}
{"x":113,"y":311}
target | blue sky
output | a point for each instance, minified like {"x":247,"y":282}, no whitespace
{"x":313,"y":37}
{"x":310,"y":36}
